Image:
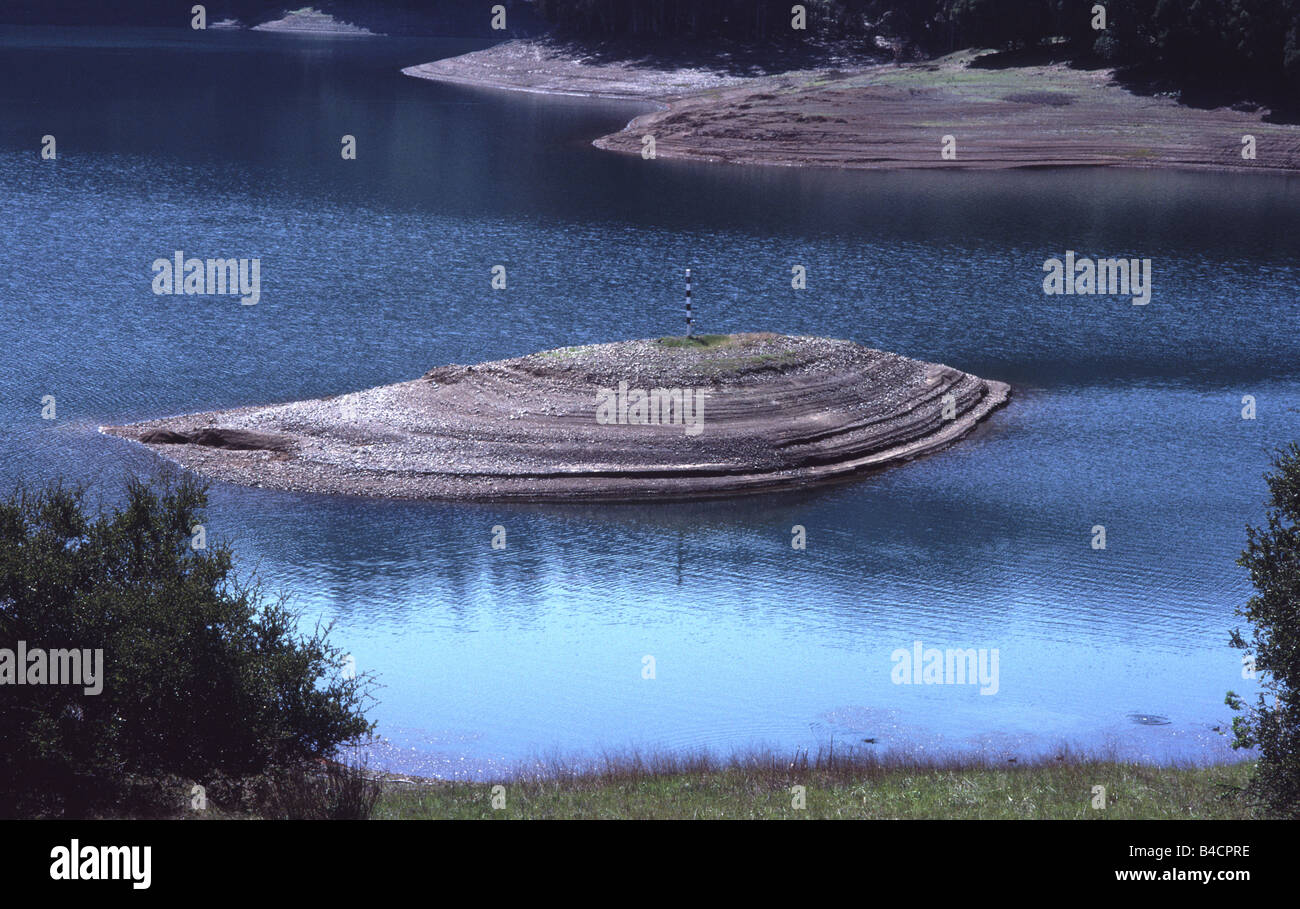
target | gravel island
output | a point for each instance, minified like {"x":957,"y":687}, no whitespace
{"x":650,"y":419}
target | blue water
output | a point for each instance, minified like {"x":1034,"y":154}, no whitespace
{"x":377,"y":269}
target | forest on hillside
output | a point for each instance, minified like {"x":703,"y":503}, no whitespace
{"x":1251,"y":41}
{"x":1207,"y":43}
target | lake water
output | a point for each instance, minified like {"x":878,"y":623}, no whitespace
{"x":377,"y":269}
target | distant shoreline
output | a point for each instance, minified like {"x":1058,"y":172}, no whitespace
{"x":886,"y":116}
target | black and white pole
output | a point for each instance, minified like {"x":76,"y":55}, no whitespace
{"x":689,"y":320}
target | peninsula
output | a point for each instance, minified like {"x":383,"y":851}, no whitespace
{"x":856,"y":114}
{"x":650,"y":419}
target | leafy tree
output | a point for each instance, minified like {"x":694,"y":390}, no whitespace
{"x":1001,"y":23}
{"x":201,"y":676}
{"x":1291,"y":52}
{"x":1236,"y":45}
{"x":1272,"y":557}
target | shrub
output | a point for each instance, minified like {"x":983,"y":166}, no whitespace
{"x":202,"y":677}
{"x":1272,"y":556}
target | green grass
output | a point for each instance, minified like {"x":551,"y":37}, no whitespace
{"x":699,"y":342}
{"x":762,"y":790}
{"x":981,"y":84}
{"x":732,"y":362}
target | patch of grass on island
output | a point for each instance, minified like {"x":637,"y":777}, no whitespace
{"x":700,"y":342}
{"x":1050,"y":790}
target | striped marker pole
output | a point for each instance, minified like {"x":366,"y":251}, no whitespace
{"x":689,"y":320}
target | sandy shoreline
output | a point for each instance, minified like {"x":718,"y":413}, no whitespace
{"x":546,"y":68}
{"x":770,"y":412}
{"x":888,"y":116}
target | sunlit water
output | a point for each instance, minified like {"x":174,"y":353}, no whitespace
{"x":377,"y":269}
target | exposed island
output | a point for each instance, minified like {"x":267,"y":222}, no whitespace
{"x":312,"y":22}
{"x":650,"y":419}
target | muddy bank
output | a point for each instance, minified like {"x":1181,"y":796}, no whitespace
{"x":650,"y":419}
{"x":888,"y":116}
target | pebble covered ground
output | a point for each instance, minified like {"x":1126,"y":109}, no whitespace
{"x":756,"y":411}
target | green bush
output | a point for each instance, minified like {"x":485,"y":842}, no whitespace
{"x":1272,"y":556}
{"x":202,"y":677}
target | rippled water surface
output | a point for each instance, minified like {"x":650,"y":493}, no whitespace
{"x":377,"y":269}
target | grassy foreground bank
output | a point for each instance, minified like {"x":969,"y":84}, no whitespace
{"x":1055,"y":790}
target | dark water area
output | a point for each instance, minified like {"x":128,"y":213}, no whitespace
{"x":377,"y":269}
